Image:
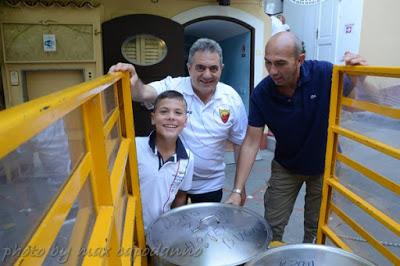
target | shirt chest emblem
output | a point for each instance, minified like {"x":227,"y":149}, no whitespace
{"x":313,"y":96}
{"x":224,"y":114}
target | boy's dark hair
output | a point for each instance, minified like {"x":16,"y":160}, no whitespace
{"x":170,"y":94}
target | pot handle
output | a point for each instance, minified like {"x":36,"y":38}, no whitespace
{"x":204,"y":222}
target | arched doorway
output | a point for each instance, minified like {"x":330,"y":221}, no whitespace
{"x":238,"y":15}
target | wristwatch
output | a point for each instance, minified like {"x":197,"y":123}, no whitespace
{"x":237,"y":190}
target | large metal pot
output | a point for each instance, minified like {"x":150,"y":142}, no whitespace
{"x":208,"y":234}
{"x":308,"y":254}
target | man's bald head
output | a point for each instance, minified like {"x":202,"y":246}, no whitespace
{"x":285,"y":40}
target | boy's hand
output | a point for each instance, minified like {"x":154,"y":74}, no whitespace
{"x":122,"y":67}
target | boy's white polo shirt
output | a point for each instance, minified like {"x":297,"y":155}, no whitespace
{"x":208,"y":128}
{"x":159,"y":185}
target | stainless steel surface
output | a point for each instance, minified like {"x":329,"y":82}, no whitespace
{"x":308,"y":254}
{"x":208,"y":234}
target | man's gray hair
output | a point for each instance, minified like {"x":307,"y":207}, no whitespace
{"x":205,"y":45}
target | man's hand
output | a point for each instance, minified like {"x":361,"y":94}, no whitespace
{"x":122,"y":67}
{"x":140,"y":92}
{"x":237,"y":199}
{"x":351,"y":59}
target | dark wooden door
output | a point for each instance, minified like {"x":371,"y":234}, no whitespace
{"x":116,"y":31}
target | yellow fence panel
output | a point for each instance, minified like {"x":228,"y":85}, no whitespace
{"x":69,"y":178}
{"x":360,"y":209}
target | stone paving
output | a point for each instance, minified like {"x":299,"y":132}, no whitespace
{"x":255,"y":188}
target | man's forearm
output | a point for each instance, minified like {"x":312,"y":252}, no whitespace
{"x":245,"y":163}
{"x":180,"y":199}
{"x":364,"y":90}
{"x":236,"y":151}
{"x":142,"y":92}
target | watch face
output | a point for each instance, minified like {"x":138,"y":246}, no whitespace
{"x":236,"y":190}
{"x":144,"y":49}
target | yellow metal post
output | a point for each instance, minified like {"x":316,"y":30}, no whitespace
{"x":95,"y":143}
{"x":132,"y":174}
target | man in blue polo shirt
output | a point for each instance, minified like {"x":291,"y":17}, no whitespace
{"x":293,"y":101}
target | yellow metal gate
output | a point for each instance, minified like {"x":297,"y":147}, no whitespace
{"x":69,"y":178}
{"x":360,"y":209}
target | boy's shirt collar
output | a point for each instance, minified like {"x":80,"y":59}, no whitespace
{"x":180,"y":151}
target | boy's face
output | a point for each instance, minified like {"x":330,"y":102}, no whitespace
{"x":169,"y":117}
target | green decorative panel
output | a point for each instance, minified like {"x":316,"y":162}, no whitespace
{"x":24,"y":42}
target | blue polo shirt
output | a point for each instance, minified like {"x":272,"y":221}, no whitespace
{"x":300,"y":122}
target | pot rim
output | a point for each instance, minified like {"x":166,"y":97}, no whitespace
{"x":289,"y":247}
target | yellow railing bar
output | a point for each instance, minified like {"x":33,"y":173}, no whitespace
{"x":138,"y":216}
{"x":94,"y":137}
{"x":364,"y":234}
{"x":111,"y":144}
{"x":372,"y":107}
{"x":127,"y":247}
{"x":111,"y":122}
{"x":138,"y":261}
{"x":117,"y":175}
{"x":372,"y":143}
{"x":330,"y":160}
{"x":384,"y":219}
{"x":132,"y":173}
{"x":16,"y":122}
{"x":102,"y":105}
{"x":99,"y":244}
{"x":382,"y":71}
{"x":381,"y":180}
{"x":79,"y":233}
{"x":48,"y":229}
{"x":114,"y":259}
{"x":335,"y":239}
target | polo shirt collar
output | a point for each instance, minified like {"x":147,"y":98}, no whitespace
{"x":305,"y":75}
{"x":180,"y":151}
{"x":188,"y":89}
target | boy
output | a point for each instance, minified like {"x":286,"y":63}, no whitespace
{"x":165,"y":166}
